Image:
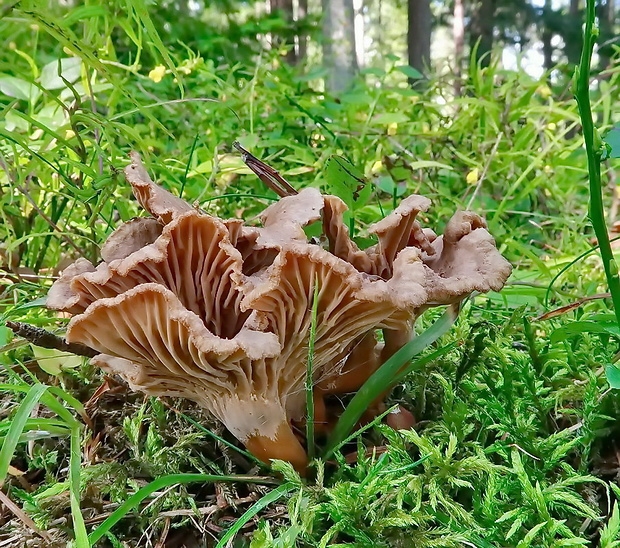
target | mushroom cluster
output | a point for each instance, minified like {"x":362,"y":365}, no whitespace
{"x":185,"y":304}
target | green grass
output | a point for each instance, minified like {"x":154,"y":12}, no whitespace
{"x":595,"y":151}
{"x":515,"y":443}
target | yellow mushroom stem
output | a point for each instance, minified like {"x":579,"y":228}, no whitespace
{"x":393,"y":342}
{"x":284,"y":445}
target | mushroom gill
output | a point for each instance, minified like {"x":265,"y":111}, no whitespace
{"x":187,"y":305}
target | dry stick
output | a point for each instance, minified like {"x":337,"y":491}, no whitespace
{"x":161,"y":543}
{"x":23,"y":517}
{"x":45,"y":339}
{"x":571,"y":306}
{"x":266,"y":173}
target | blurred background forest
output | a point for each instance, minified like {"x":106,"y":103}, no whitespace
{"x":339,"y":39}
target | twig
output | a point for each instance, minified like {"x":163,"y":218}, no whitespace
{"x":266,"y":173}
{"x":161,"y":543}
{"x":571,"y":306}
{"x":45,"y":339}
{"x":23,"y":517}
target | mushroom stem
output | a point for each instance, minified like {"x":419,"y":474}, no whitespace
{"x":360,"y":365}
{"x":284,"y":446}
{"x":394,"y":341}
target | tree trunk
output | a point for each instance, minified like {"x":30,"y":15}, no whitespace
{"x":339,"y":43}
{"x":458,"y":35}
{"x":572,"y":35}
{"x":547,"y":36}
{"x":285,"y":7}
{"x":302,"y":38}
{"x":419,"y":23}
{"x":481,"y":30}
{"x":607,"y":20}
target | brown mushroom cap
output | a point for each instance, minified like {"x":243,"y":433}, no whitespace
{"x":160,"y":203}
{"x":283,"y":221}
{"x":129,"y":237}
{"x":188,"y":305}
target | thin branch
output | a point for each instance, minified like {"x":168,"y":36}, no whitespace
{"x":23,"y":517}
{"x":45,"y":339}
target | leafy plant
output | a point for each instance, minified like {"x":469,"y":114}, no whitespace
{"x":595,"y":150}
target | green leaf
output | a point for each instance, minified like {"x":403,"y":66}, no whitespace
{"x":142,"y":15}
{"x":613,"y":375}
{"x":347,"y":182}
{"x":387,"y":185}
{"x":70,"y":68}
{"x":410,"y":72}
{"x":612,"y":138}
{"x":84,"y":12}
{"x":36,"y":303}
{"x":18,"y":88}
{"x":18,"y":424}
{"x":423,"y":164}
{"x":5,"y":335}
{"x":265,"y":501}
{"x":75,"y":463}
{"x":610,"y":532}
{"x":373,"y":70}
{"x":391,"y":118}
{"x":310,"y":373}
{"x":54,"y":361}
{"x":576,"y":328}
{"x":162,"y":483}
{"x":388,"y":375}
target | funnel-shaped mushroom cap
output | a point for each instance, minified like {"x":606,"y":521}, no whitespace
{"x":461,"y":261}
{"x":188,"y":305}
{"x":283,"y":221}
{"x":283,"y":224}
{"x":465,"y":259}
{"x":129,"y":237}
{"x":160,"y":203}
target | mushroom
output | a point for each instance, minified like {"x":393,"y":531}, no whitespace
{"x":185,"y":304}
{"x":449,"y":268}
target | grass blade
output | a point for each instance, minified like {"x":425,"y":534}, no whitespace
{"x":263,"y":502}
{"x":162,"y":483}
{"x":594,"y":150}
{"x":17,"y":427}
{"x":385,"y":377}
{"x":39,"y":393}
{"x":188,"y":165}
{"x":75,"y":465}
{"x":360,"y":431}
{"x":310,"y":374}
{"x":213,"y":435}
